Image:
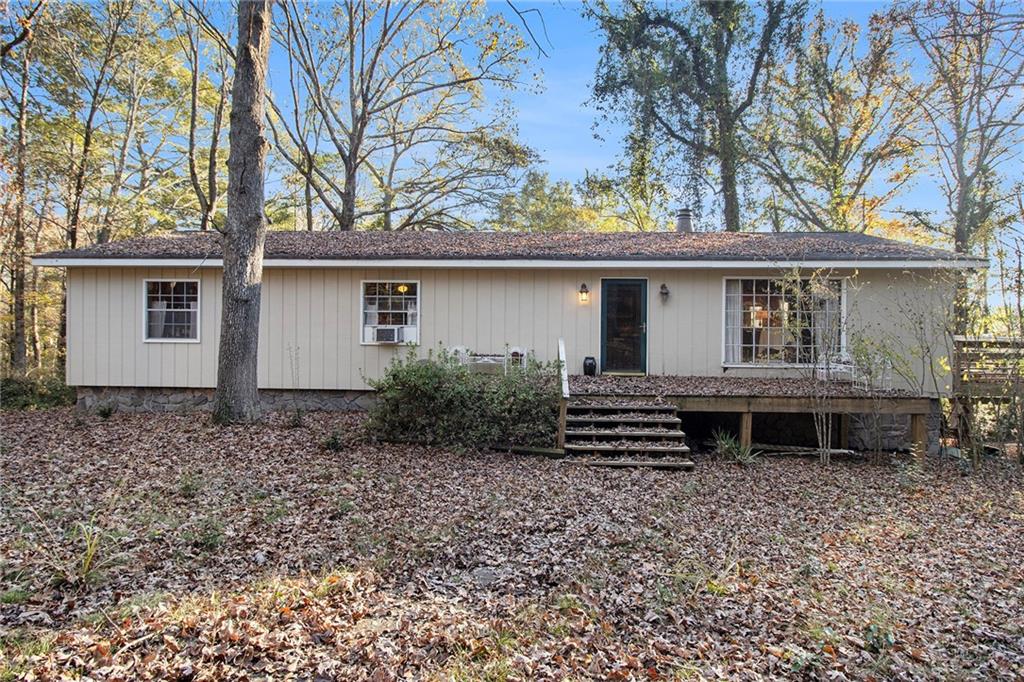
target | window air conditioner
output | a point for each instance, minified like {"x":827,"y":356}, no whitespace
{"x":385,"y":335}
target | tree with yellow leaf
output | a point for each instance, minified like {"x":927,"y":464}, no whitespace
{"x":386,"y":118}
{"x":834,"y":137}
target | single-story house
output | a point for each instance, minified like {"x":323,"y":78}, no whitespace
{"x":722,"y":310}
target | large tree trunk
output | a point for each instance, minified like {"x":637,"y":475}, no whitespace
{"x":347,"y":221}
{"x":727,"y":167}
{"x":308,"y":205}
{"x":34,"y":342}
{"x":724,"y":115}
{"x":388,"y":206}
{"x":237,"y":399}
{"x":18,"y":355}
{"x":33,"y":316}
{"x":962,"y":409}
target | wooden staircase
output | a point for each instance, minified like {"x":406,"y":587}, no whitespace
{"x":620,"y":428}
{"x":612,"y":431}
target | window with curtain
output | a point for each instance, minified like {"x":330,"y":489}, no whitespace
{"x":172,"y":310}
{"x":390,"y":312}
{"x":782,"y":322}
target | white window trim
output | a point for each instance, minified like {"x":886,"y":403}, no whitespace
{"x":145,"y":310}
{"x":362,"y":311}
{"x":782,"y":365}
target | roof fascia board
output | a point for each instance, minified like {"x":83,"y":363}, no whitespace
{"x":519,"y":264}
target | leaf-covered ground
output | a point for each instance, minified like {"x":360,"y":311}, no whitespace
{"x":153,"y":546}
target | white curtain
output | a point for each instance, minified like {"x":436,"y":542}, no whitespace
{"x":733,"y":320}
{"x":829,"y":328}
{"x":157,"y":316}
{"x":830,"y":333}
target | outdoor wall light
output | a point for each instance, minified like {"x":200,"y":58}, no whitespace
{"x":663,"y":291}
{"x":584,"y":293}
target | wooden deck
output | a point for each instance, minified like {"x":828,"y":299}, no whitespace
{"x":747,"y":396}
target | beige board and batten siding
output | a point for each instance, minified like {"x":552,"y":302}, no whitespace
{"x":310,"y":321}
{"x":106,"y":345}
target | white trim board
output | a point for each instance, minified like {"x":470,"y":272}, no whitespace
{"x":524,"y":264}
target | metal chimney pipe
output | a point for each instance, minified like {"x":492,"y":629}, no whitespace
{"x":684,"y":220}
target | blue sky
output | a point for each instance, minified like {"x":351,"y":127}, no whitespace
{"x":557,"y":122}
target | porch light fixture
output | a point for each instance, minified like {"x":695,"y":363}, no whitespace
{"x":663,"y":291}
{"x":584,"y":293}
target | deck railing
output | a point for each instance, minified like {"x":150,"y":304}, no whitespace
{"x":563,"y":403}
{"x":990,"y":366}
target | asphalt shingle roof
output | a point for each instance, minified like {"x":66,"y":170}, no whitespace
{"x":618,"y":246}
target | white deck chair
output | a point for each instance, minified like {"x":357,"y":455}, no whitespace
{"x":515,"y":357}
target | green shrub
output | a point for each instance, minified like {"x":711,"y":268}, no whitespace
{"x":878,"y":636}
{"x":333,"y":442}
{"x":207,"y":536}
{"x":439,"y":401}
{"x":23,"y":393}
{"x":295,"y":420}
{"x":997,"y":422}
{"x":729,"y":447}
{"x":189,"y":485}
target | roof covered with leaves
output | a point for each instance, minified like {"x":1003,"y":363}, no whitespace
{"x":569,"y":246}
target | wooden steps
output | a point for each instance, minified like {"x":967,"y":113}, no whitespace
{"x":623,"y":448}
{"x":625,"y":406}
{"x":685,"y":465}
{"x":624,"y":419}
{"x":613,"y":431}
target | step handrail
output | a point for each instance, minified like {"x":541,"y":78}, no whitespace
{"x":563,"y":368}
{"x":563,"y":403}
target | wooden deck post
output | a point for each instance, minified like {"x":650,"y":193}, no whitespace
{"x":746,"y":426}
{"x":919,"y":436}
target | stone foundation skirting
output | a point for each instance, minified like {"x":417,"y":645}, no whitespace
{"x":138,"y":399}
{"x":892,"y":431}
